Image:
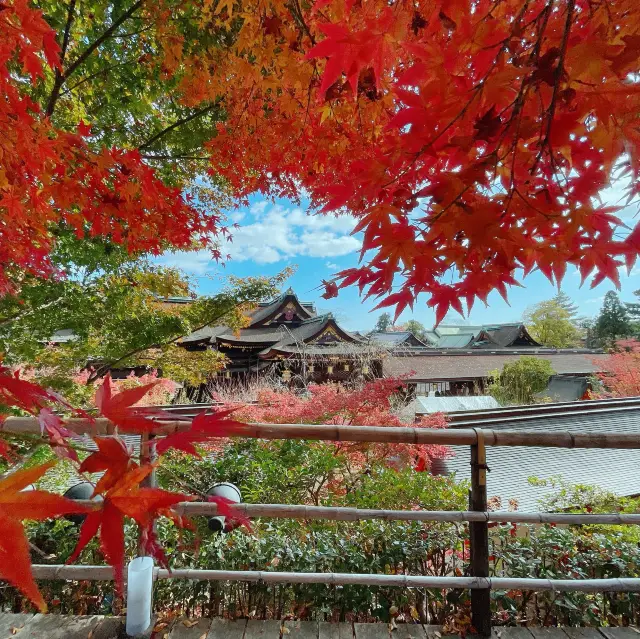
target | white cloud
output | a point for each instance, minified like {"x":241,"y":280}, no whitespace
{"x":332,"y":266}
{"x":197,"y":262}
{"x":237,"y":216}
{"x":594,"y":300}
{"x":278,"y":233}
{"x":270,"y":233}
{"x":259,"y":207}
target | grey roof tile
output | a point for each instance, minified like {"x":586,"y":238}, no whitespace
{"x":433,"y":367}
{"x":615,"y":470}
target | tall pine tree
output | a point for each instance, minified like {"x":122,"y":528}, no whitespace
{"x":384,"y":323}
{"x":633,"y":308}
{"x":565,"y":302}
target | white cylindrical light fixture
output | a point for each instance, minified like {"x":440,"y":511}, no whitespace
{"x":139,"y":595}
{"x":228,"y":491}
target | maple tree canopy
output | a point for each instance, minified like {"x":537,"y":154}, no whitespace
{"x":470,"y":138}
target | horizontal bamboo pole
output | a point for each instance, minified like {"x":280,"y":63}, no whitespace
{"x":286,"y":511}
{"x":105,"y":573}
{"x":389,"y":434}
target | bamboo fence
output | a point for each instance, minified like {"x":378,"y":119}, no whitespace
{"x":286,"y":511}
{"x":478,"y":516}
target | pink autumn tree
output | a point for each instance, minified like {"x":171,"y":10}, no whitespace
{"x":370,"y":405}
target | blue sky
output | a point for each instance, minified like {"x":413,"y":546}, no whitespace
{"x":275,"y":235}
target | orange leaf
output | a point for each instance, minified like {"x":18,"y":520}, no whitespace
{"x":15,"y":561}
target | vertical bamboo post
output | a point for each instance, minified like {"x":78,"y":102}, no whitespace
{"x":147,"y":456}
{"x":479,"y":537}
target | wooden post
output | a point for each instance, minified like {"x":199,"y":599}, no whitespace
{"x":479,"y":537}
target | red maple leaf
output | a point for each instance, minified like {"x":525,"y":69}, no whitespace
{"x":52,"y":425}
{"x":127,"y":499}
{"x":113,"y":457}
{"x":330,"y":289}
{"x":443,"y":298}
{"x":120,"y":409}
{"x":15,"y":505}
{"x":400,"y":300}
{"x":204,"y":426}
{"x":227,"y":510}
{"x":23,"y":394}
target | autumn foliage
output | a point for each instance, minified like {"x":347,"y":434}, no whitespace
{"x":50,"y":176}
{"x":621,"y":370}
{"x":370,"y":405}
{"x":469,"y":139}
{"x":121,"y":491}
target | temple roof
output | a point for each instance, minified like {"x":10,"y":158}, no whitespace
{"x":397,"y":338}
{"x":482,"y":336}
{"x":270,"y":311}
{"x":466,"y":365}
{"x":322,"y":332}
{"x":279,"y":328}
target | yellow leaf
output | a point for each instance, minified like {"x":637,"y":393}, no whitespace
{"x":189,"y":624}
{"x":326,"y":113}
{"x":221,"y":5}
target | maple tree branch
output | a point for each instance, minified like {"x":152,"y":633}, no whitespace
{"x":297,"y":14}
{"x":97,"y":74}
{"x":175,"y":125}
{"x":101,"y":370}
{"x":55,"y":93}
{"x":560,"y":68}
{"x":58,"y":81}
{"x":67,"y":30}
{"x":174,"y":157}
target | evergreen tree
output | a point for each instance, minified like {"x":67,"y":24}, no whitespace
{"x":520,"y":381}
{"x":613,"y":321}
{"x":383,"y":324}
{"x":633,"y":308}
{"x":565,"y":302}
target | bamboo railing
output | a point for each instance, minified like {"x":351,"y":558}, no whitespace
{"x":105,"y":573}
{"x":478,"y":517}
{"x":378,"y":434}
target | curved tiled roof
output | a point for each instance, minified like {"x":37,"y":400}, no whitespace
{"x":208,"y":333}
{"x":264,"y":312}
